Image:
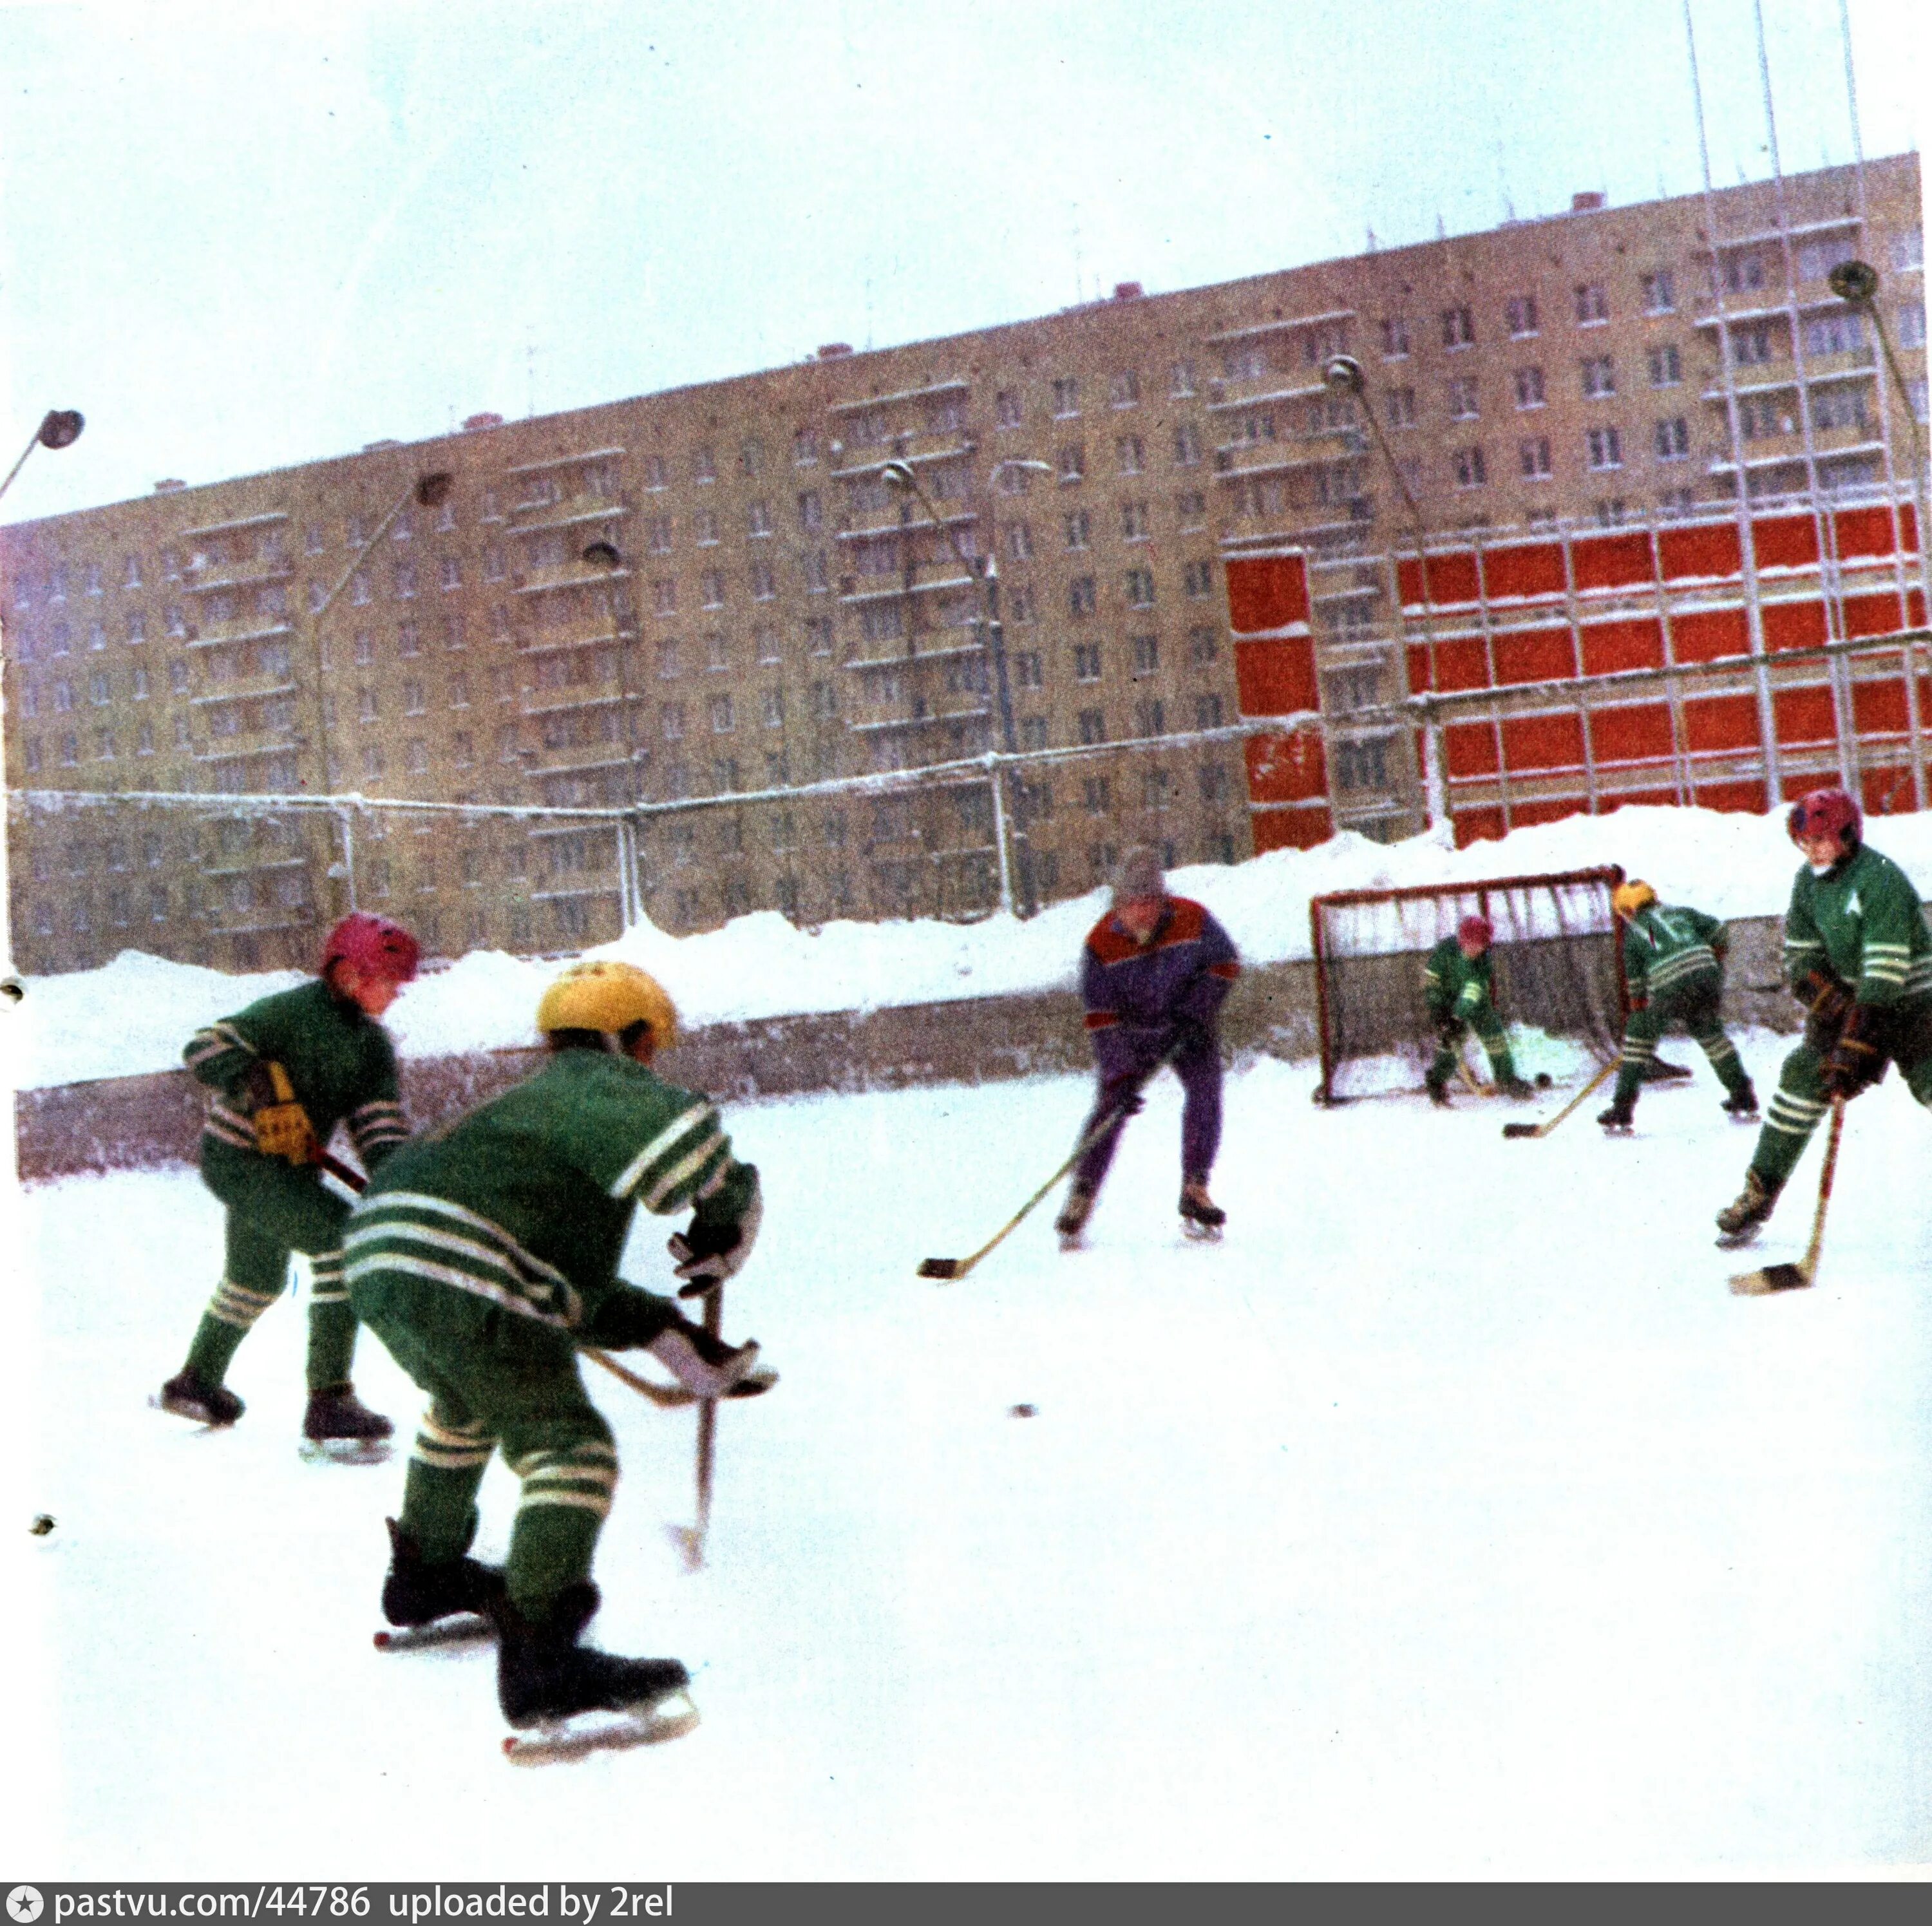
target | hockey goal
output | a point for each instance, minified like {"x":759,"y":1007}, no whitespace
{"x":1559,"y":974}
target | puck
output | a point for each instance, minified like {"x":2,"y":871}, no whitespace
{"x":43,"y":1524}
{"x":1022,"y":1411}
{"x":1543,"y":1079}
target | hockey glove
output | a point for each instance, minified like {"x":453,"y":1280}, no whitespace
{"x":1448,"y":1031}
{"x":1121,"y":1094}
{"x":706,"y":1254}
{"x":1189,"y":1037}
{"x":699,"y":1362}
{"x":1826,"y":998}
{"x":1858,"y":1059}
{"x":281,"y":1125}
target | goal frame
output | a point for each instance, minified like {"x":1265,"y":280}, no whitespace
{"x":1611,"y":874}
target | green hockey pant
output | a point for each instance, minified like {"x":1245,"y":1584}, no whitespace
{"x":1800,"y":1105}
{"x":1693,"y":1010}
{"x":275,"y":1208}
{"x":497,"y":1381}
{"x":1488,"y":1027}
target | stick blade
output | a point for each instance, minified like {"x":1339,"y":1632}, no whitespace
{"x":944,"y":1268}
{"x":1773,"y":1277}
{"x":1515,"y":1132}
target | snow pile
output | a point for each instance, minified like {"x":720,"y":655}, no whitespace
{"x":133,"y":1014}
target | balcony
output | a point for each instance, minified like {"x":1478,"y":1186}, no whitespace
{"x":921,"y":523}
{"x":1235,"y":394}
{"x":566,"y":701}
{"x":557,"y":461}
{"x":252,"y":690}
{"x":1272,"y":462}
{"x":568,"y":514}
{"x":1829,"y":445}
{"x":569,"y":575}
{"x":956,"y":386}
{"x":977,"y":646}
{"x":1857,"y":365}
{"x":541,"y":642}
{"x":933,"y":719}
{"x":853,"y":597}
{"x":959,"y":450}
{"x":1261,"y":328}
{"x":256,"y":868}
{"x":267,"y":521}
{"x":249,"y":629}
{"x":234,"y":575}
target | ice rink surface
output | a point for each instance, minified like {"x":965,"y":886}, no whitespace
{"x":1449,"y":1518}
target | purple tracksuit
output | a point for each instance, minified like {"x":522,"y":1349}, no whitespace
{"x":1138,"y":995}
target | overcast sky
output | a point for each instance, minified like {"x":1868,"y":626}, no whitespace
{"x":240,"y":236}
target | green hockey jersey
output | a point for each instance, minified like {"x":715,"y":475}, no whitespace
{"x":527,"y":1200}
{"x":1862,"y":922}
{"x":339,"y":1061}
{"x":1454,"y":985}
{"x":1669,"y":950}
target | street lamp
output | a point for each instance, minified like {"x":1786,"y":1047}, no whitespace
{"x":606,"y":556}
{"x":986,"y":570}
{"x":60,"y":427}
{"x":426,"y":491}
{"x":1342,"y":375}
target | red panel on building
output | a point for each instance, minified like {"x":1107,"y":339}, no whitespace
{"x":1452,"y":581}
{"x":1276,"y":677}
{"x":1266,"y":592}
{"x":1543,"y":742}
{"x":1524,"y":571}
{"x":1872,"y":615}
{"x":1535,"y":655}
{"x":1290,"y":828}
{"x":1710,"y":633}
{"x":1484,"y":825}
{"x":1637,"y":643}
{"x":1637,"y":734}
{"x":1795,"y":625}
{"x":1804,"y":715}
{"x":1463,"y":664}
{"x":1870,"y":531}
{"x":1748,"y":797}
{"x":1470,"y":749}
{"x":1644,"y":799}
{"x":1285,"y":769}
{"x":1704,"y":553}
{"x":1721,"y":722}
{"x":1878,"y":708}
{"x":1547,"y":809}
{"x":1611,"y":561}
{"x":1785,"y":542}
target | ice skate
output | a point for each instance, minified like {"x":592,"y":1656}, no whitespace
{"x":545,"y":1679}
{"x":1201,"y":1217}
{"x":1740,"y":1106}
{"x":339,"y":1427}
{"x":187,"y":1395}
{"x":1739,"y":1220}
{"x":1072,"y":1218}
{"x":446,"y":1602}
{"x":1514,"y":1087}
{"x":1618,"y":1119}
{"x":1438,"y":1088}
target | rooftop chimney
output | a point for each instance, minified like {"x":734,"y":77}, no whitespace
{"x":170,"y":486}
{"x":831,"y":350}
{"x":1585,"y":203}
{"x":1128,"y":290}
{"x":485,"y":420}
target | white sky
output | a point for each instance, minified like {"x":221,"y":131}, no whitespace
{"x":238,"y":236}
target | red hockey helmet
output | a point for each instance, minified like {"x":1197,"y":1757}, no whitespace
{"x":373,"y":945}
{"x":1827,"y":812}
{"x":1477,"y":930}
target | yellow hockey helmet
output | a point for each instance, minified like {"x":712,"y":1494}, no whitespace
{"x":1631,"y":897}
{"x":608,"y":996}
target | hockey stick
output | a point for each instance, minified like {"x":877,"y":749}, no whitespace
{"x":692,"y":1542}
{"x":666,"y":1397}
{"x":1516,"y":1131}
{"x":950,"y":1270}
{"x":1798,"y":1276}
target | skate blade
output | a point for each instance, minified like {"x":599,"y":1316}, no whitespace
{"x":1773,"y":1278}
{"x":347,"y":1450}
{"x":463,"y":1629}
{"x":1201,"y":1233}
{"x":194,"y":1413}
{"x":1738,"y":1240}
{"x":1618,"y":1130}
{"x":654,"y":1724}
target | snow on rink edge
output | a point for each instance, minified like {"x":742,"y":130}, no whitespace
{"x":1450,"y":1518}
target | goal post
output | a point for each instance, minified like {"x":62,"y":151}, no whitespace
{"x":1558,"y":954}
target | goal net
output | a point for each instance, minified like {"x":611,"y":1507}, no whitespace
{"x":1558,"y":974}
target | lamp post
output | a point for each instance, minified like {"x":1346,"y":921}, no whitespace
{"x":986,"y":570}
{"x":606,"y":556}
{"x":1342,"y":375}
{"x":426,"y":491}
{"x":60,"y":427}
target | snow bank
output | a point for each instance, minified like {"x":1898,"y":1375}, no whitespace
{"x":133,"y":1015}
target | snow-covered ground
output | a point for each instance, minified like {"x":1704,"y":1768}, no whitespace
{"x":1449,"y":1519}
{"x":133,"y":1014}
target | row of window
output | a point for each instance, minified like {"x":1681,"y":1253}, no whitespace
{"x":1603,"y":449}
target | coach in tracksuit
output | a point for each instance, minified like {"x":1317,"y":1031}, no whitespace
{"x":1153,"y":973}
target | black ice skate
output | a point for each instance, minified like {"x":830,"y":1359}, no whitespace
{"x":1658,"y":1072}
{"x":446,"y":1603}
{"x":545,"y":1679}
{"x":187,"y":1395}
{"x":1739,"y":1221}
{"x":1740,"y":1106}
{"x":1618,"y":1119}
{"x":338,"y":1426}
{"x":1200,"y":1216}
{"x":1073,"y":1216}
{"x":1439,"y":1094}
{"x":1514,"y":1087}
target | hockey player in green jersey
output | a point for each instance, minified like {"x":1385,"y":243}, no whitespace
{"x":279,"y":1077}
{"x":483,"y":1255}
{"x":1460,"y":996}
{"x":1857,"y":953}
{"x":1674,"y":969}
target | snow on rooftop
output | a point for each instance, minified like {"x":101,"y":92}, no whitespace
{"x":133,"y":1015}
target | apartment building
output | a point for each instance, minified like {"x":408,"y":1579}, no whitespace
{"x":750,"y":588}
